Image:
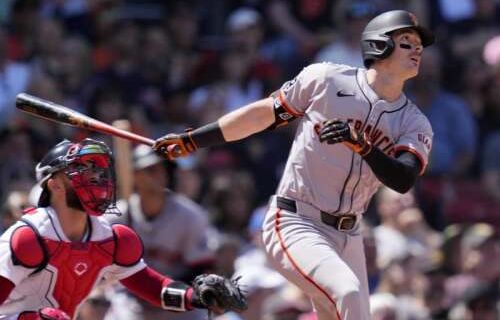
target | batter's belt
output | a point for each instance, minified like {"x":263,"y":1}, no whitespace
{"x":342,"y":222}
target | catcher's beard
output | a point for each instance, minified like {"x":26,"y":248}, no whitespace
{"x":72,"y":199}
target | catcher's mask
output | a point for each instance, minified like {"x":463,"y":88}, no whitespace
{"x":89,"y":168}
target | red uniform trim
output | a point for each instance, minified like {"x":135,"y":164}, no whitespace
{"x":423,"y":164}
{"x":147,"y":284}
{"x":6,"y":287}
{"x":296,"y":266}
{"x":287,"y":107}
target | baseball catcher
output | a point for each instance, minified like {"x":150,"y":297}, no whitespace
{"x":64,"y":242}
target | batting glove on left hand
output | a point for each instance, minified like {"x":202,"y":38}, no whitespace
{"x":334,"y":131}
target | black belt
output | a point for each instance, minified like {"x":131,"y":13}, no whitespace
{"x":344,"y":222}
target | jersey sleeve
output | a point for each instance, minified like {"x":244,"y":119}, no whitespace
{"x":116,"y":272}
{"x":296,"y":95}
{"x":416,"y":138}
{"x":8,"y":270}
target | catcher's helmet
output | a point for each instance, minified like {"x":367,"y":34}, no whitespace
{"x":376,"y":41}
{"x":89,"y":167}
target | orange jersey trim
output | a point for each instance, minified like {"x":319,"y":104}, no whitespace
{"x":416,"y":153}
{"x":287,"y":106}
{"x":296,"y":266}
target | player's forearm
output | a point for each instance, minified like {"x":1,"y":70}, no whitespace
{"x":247,"y":120}
{"x":147,"y":284}
{"x":398,"y":174}
{"x":235,"y":125}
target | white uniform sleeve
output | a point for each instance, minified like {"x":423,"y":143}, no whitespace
{"x":296,"y":95}
{"x":116,"y":272}
{"x":15,"y":273}
{"x":416,"y":138}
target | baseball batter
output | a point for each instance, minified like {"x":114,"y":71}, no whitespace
{"x":357,"y":130}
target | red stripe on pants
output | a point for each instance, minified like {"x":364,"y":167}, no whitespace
{"x":296,"y":266}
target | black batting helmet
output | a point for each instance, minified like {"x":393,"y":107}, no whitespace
{"x":376,"y":42}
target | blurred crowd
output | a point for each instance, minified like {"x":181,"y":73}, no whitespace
{"x":433,"y":253}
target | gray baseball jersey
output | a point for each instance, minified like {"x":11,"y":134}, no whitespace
{"x":332,"y":177}
{"x":328,"y":264}
{"x":175,"y":239}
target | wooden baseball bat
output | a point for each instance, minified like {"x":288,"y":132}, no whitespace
{"x":123,"y":163}
{"x":54,"y":112}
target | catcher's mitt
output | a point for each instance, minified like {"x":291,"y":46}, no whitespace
{"x":218,"y":294}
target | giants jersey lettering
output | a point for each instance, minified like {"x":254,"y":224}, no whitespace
{"x":72,"y":271}
{"x":333,"y":177}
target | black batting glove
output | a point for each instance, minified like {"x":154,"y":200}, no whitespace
{"x":334,"y":131}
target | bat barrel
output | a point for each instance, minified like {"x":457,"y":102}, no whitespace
{"x":51,"y":111}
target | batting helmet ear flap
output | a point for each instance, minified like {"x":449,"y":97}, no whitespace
{"x":376,"y":46}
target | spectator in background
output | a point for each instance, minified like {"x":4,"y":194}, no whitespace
{"x":173,"y":229}
{"x":190,"y":62}
{"x":49,"y":41}
{"x":23,"y":23}
{"x":259,"y":284}
{"x":75,"y":71}
{"x":227,"y":247}
{"x":246,"y":34}
{"x":17,"y":159}
{"x":479,"y":264}
{"x":12,"y":209}
{"x":353,"y":17}
{"x":371,"y":254}
{"x":230,"y":201}
{"x":108,"y":104}
{"x":289,"y":303}
{"x":482,"y":302}
{"x":125,"y":50}
{"x":301,"y":28}
{"x":390,"y":241}
{"x":383,"y":306}
{"x":14,"y":78}
{"x":96,"y":306}
{"x":236,"y":86}
{"x":468,"y":36}
{"x":490,"y":166}
{"x":455,"y":130}
{"x":154,"y":63}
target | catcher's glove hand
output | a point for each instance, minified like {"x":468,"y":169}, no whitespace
{"x":335,"y":131}
{"x":175,"y":145}
{"x":217,"y":294}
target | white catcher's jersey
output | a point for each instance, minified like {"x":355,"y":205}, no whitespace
{"x":332,"y":177}
{"x":37,"y":290}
